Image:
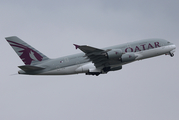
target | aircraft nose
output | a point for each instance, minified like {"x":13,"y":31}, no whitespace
{"x":174,"y":46}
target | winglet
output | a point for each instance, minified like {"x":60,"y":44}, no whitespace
{"x":76,"y":46}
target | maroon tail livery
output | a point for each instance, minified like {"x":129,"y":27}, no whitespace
{"x":28,"y":54}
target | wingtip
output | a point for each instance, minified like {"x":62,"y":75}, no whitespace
{"x":76,"y":46}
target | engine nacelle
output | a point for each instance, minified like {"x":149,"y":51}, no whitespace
{"x":116,"y":68}
{"x":107,"y":69}
{"x":128,"y":57}
{"x":114,"y":54}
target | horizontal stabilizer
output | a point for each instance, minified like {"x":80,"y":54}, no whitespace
{"x":30,"y":68}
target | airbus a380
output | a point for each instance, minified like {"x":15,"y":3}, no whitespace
{"x":92,"y":61}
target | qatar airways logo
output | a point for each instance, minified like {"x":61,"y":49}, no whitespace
{"x":142,"y":47}
{"x":28,"y":55}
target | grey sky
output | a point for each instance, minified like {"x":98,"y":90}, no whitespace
{"x":142,"y":90}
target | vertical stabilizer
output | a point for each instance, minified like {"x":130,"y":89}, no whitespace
{"x":28,"y":54}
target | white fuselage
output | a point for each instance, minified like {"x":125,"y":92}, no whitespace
{"x":92,"y":61}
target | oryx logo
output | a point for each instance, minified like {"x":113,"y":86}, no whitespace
{"x":28,"y":55}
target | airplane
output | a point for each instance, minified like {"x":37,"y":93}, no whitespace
{"x":92,"y":61}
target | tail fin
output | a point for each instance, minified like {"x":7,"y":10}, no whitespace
{"x":28,"y":54}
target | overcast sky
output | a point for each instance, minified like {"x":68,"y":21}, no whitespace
{"x":143,"y":90}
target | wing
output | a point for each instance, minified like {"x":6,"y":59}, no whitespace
{"x":97,"y":56}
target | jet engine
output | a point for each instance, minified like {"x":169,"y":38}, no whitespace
{"x":107,"y":69}
{"x":116,"y":68}
{"x":128,"y":57}
{"x":114,"y":54}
